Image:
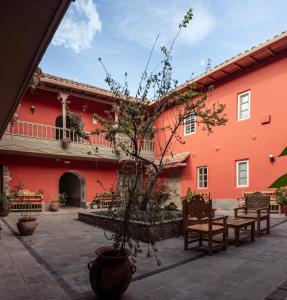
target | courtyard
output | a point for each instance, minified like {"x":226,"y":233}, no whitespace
{"x":52,"y":264}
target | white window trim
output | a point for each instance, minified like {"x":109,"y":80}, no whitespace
{"x":184,"y":131}
{"x":238,"y":106}
{"x":202,"y":188}
{"x":247,"y":170}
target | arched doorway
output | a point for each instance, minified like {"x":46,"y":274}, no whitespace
{"x":74,"y":185}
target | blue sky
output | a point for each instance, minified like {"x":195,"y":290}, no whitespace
{"x":122,"y":32}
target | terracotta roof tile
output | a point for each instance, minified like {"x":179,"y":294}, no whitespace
{"x":174,"y":159}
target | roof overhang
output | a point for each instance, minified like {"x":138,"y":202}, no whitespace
{"x":253,"y":56}
{"x":26,"y":29}
{"x":174,"y":161}
{"x":61,"y":85}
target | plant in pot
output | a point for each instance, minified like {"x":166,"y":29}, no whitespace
{"x":96,"y":203}
{"x":281,"y":198}
{"x":66,"y":141}
{"x":128,"y":134}
{"x":27,"y":223}
{"x":59,"y":201}
{"x":4,"y":205}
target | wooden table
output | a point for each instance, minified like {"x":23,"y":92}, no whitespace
{"x":238,"y":224}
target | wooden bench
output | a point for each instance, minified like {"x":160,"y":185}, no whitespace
{"x":28,"y":201}
{"x":109,"y":200}
{"x":274,"y":206}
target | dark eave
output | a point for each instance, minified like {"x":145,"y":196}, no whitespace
{"x":243,"y":60}
{"x":26,"y":29}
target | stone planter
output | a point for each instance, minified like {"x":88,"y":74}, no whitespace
{"x":147,"y":232}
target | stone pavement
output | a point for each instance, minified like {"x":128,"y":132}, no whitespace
{"x":52,"y":264}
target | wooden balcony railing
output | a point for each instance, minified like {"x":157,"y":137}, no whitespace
{"x":53,"y":133}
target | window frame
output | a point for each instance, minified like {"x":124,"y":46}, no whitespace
{"x":237,"y":173}
{"x":184,"y":125}
{"x":198,"y":173}
{"x":239,"y":105}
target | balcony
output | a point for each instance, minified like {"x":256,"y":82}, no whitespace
{"x":45,"y":140}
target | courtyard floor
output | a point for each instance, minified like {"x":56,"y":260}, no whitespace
{"x":52,"y":264}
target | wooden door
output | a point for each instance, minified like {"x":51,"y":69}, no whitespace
{"x":174,"y":186}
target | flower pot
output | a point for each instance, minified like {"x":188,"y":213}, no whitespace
{"x":4,"y":210}
{"x":55,"y":206}
{"x":26,"y":225}
{"x":66,"y":142}
{"x":110,"y":274}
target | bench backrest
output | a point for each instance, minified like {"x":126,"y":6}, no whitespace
{"x":257,"y":200}
{"x":197,"y":207}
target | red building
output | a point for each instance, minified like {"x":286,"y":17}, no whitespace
{"x":238,"y":156}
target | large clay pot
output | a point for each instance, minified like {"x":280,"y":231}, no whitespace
{"x":4,"y":210}
{"x":26,"y":225}
{"x":55,"y":206}
{"x":110,"y":274}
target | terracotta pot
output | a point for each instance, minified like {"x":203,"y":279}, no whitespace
{"x":4,"y":210}
{"x":26,"y":225}
{"x":55,"y":206}
{"x":66,"y":142}
{"x":110,"y":275}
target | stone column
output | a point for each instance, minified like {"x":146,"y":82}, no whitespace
{"x":63,"y":97}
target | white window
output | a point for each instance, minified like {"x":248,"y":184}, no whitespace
{"x":189,"y":124}
{"x":242,"y":173}
{"x":202,"y":178}
{"x":244,"y":106}
{"x":94,"y":121}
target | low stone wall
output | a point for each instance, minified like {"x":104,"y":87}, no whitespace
{"x":146,"y":232}
{"x":225,"y":204}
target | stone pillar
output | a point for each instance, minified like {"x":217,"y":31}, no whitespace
{"x":5,"y":179}
{"x":63,"y":97}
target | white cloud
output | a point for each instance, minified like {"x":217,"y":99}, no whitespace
{"x":202,"y":62}
{"x":141,"y":20}
{"x":79,"y":26}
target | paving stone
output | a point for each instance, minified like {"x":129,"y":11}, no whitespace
{"x":61,"y":248}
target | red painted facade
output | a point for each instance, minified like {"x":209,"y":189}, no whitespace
{"x":253,"y":139}
{"x":44,"y":173}
{"x":240,"y":140}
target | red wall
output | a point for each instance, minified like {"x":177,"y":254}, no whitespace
{"x":48,"y":108}
{"x":44,"y":173}
{"x":238,"y":140}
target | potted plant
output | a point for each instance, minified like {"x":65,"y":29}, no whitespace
{"x":140,"y":189}
{"x":96,"y":203}
{"x":66,"y":142}
{"x":4,"y":205}
{"x":26,"y":223}
{"x":281,"y":198}
{"x":59,"y":201}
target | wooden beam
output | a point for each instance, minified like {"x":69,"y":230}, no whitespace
{"x":224,"y":72}
{"x":237,"y":65}
{"x":253,"y":58}
{"x":211,"y":78}
{"x":270,"y":51}
{"x":93,"y":98}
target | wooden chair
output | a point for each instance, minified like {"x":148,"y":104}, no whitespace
{"x":198,"y":221}
{"x":257,"y":207}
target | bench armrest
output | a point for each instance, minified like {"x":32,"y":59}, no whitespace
{"x":236,"y":211}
